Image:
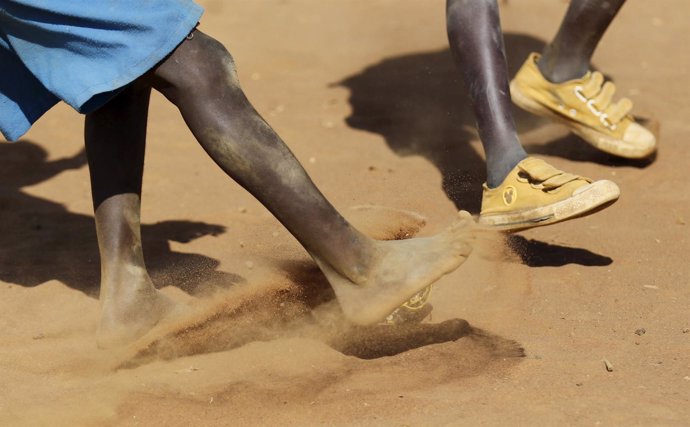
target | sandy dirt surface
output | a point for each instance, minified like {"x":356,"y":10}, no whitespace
{"x":366,"y":95}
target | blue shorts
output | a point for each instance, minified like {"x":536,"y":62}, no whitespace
{"x":80,"y":51}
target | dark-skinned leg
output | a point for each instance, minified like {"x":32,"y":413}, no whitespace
{"x":115,"y":138}
{"x":370,"y":278}
{"x":569,"y":55}
{"x":476,"y":41}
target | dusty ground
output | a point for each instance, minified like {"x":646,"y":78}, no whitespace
{"x":365,"y":94}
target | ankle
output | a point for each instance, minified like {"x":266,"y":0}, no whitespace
{"x":559,"y":70}
{"x":498,"y":169}
{"x":126,"y":284}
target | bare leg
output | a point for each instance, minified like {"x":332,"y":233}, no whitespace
{"x":115,"y":140}
{"x":200,"y":79}
{"x":476,"y":41}
{"x":568,"y":56}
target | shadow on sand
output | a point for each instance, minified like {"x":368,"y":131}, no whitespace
{"x":40,"y":240}
{"x":534,"y":253}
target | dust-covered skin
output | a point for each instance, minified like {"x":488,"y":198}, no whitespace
{"x":130,"y":304}
{"x":569,"y":54}
{"x":399,"y":270}
{"x":199,"y":77}
{"x":115,"y":138}
{"x":371,"y":278}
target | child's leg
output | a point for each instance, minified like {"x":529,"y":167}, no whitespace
{"x":115,"y":140}
{"x":568,"y":56}
{"x":520,"y":192}
{"x":476,"y":41}
{"x":200,"y":79}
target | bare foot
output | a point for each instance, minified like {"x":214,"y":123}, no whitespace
{"x":124,"y":318}
{"x":400,"y":269}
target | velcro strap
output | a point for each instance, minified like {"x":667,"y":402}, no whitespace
{"x":538,"y":169}
{"x":559,"y":180}
{"x":546,"y":175}
{"x":592,"y":86}
{"x":604,"y":98}
{"x":619,"y":110}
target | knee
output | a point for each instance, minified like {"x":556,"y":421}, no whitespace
{"x":201,"y":66}
{"x":215,"y":66}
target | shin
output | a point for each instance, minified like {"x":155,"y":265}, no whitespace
{"x":200,"y":79}
{"x":476,"y":41}
{"x":115,"y":138}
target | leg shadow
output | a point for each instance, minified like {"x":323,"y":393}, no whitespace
{"x":534,"y":253}
{"x":573,"y":148}
{"x":418,"y":104}
{"x":377,"y":341}
{"x":40,"y":240}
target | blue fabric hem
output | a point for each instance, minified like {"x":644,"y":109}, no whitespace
{"x":193,"y":15}
{"x":18,"y":123}
{"x":34,"y":79}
